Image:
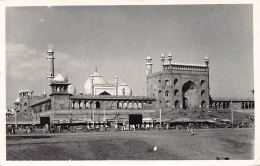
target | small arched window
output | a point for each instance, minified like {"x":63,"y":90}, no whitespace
{"x":140,"y":106}
{"x":167,"y":93}
{"x":203,"y":104}
{"x":203,"y":93}
{"x":202,"y":82}
{"x":25,"y":104}
{"x":176,"y":92}
{"x":167,"y":104}
{"x":175,"y":81}
{"x":177,"y":104}
{"x":167,"y":82}
{"x":159,"y":81}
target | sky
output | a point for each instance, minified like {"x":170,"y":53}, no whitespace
{"x":117,"y":39}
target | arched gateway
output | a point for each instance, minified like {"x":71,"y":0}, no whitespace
{"x":190,"y":95}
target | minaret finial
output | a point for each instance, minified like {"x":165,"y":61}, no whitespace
{"x":95,"y":68}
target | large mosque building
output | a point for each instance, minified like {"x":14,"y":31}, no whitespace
{"x":101,"y":101}
{"x":176,"y":88}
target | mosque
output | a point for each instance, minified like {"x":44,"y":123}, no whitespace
{"x":101,"y":101}
{"x":177,"y":89}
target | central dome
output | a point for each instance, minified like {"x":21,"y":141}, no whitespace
{"x":97,"y":80}
{"x":59,"y":78}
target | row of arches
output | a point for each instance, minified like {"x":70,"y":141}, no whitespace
{"x":78,"y":104}
{"x":59,"y":88}
{"x":85,"y":104}
{"x":175,"y":81}
{"x":176,"y":93}
{"x":247,"y":105}
{"x":226,"y":105}
{"x":167,"y":82}
{"x":129,"y":105}
{"x":177,"y":104}
{"x":167,"y":93}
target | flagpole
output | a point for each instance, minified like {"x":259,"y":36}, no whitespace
{"x":160,"y":117}
{"x":232,"y":116}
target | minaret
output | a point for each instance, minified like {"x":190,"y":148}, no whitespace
{"x":170,"y":58}
{"x":206,"y":61}
{"x":149,"y":65}
{"x":116,"y":81}
{"x":162,"y":59}
{"x":50,"y":58}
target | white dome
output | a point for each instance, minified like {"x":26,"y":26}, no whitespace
{"x":123,"y":87}
{"x":50,"y":50}
{"x":59,"y":78}
{"x":162,"y":56}
{"x":17,"y":100}
{"x":72,"y":89}
{"x":148,"y":58}
{"x":97,"y":80}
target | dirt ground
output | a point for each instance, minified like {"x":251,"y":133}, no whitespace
{"x":206,"y":144}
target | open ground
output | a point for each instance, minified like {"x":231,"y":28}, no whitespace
{"x":206,"y":144}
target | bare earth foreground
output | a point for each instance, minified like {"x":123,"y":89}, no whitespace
{"x":134,"y":145}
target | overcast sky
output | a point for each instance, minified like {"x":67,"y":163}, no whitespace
{"x":117,"y":40}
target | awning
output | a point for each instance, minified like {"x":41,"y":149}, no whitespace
{"x":181,"y":120}
{"x":200,"y":120}
{"x":211,"y":121}
{"x":166,"y":120}
{"x":226,"y":120}
{"x":147,"y":120}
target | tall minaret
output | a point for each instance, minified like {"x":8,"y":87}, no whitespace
{"x":50,"y":58}
{"x":116,"y":82}
{"x":149,"y":65}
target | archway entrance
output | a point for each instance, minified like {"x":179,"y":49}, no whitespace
{"x":190,"y":95}
{"x":104,"y":93}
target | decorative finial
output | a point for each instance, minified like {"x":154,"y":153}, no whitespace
{"x":95,"y":68}
{"x":162,"y":55}
{"x":169,"y":55}
{"x":50,"y":48}
{"x":206,"y":57}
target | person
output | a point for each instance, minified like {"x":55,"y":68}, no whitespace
{"x":188,"y":127}
{"x":191,"y":126}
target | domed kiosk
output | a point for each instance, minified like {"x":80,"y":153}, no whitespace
{"x":96,"y":85}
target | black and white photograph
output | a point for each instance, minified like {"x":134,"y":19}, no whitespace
{"x":139,"y":82}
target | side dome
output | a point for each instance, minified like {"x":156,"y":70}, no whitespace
{"x":59,"y":78}
{"x":72,"y":89}
{"x":97,"y":80}
{"x":17,"y":100}
{"x":124,"y":90}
